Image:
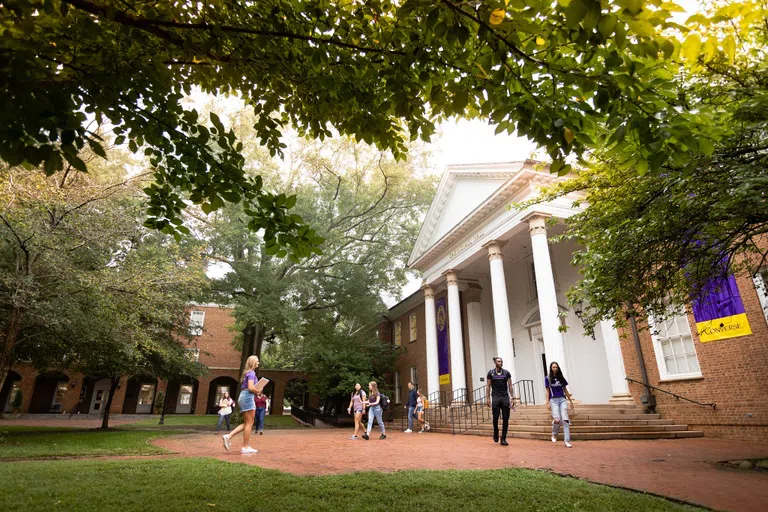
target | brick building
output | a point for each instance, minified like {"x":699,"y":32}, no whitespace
{"x":60,"y":391}
{"x":494,"y":284}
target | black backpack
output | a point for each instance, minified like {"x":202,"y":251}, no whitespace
{"x":384,"y":402}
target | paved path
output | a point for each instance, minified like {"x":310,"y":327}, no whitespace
{"x":681,"y":468}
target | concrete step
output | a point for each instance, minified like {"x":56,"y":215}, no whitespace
{"x":588,"y":436}
{"x":548,"y":423}
{"x":544,"y":417}
{"x":577,"y":428}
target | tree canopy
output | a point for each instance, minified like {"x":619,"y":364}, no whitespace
{"x":83,"y":285}
{"x":569,"y":74}
{"x":319,"y":314}
{"x":660,"y":239}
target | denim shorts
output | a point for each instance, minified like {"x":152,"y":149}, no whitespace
{"x":245,"y":401}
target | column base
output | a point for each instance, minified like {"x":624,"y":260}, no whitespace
{"x":622,"y":399}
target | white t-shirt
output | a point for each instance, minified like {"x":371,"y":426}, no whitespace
{"x":226,"y":406}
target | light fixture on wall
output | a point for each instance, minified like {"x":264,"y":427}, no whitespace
{"x":578,"y":310}
{"x":73,"y":384}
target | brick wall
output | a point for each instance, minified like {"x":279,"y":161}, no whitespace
{"x":732,"y":377}
{"x":414,"y":353}
{"x":215,"y":344}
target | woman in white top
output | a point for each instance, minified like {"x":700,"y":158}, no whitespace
{"x":225,"y":411}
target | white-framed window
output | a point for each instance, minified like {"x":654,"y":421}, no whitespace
{"x":196,"y":321}
{"x":146,"y":393}
{"x":397,"y":388}
{"x":58,"y":397}
{"x":534,"y":289}
{"x":414,"y":331}
{"x":15,"y":390}
{"x":398,"y":334}
{"x":414,"y":376}
{"x":673,"y":345}
{"x":185,"y":394}
{"x":193,"y":354}
{"x":761,"y":285}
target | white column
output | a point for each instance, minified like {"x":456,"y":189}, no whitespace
{"x":433,"y":368}
{"x":501,"y":308}
{"x":545,"y":286}
{"x":476,"y":341}
{"x":616,"y":371}
{"x":458,"y":376}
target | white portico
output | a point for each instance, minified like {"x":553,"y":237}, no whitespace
{"x":493,"y":272}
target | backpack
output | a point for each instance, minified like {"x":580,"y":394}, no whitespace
{"x":425,"y":403}
{"x":384,"y":402}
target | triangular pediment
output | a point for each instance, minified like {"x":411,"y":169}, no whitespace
{"x":462,"y":189}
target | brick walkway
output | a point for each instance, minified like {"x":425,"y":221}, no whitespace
{"x":681,"y":469}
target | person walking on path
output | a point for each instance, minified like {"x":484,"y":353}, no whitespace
{"x":559,"y":400}
{"x":247,"y":406}
{"x":356,"y":406}
{"x":411,"y":406}
{"x":374,"y":411}
{"x":225,"y":411}
{"x":420,"y":412}
{"x":499,"y":381}
{"x":260,"y":401}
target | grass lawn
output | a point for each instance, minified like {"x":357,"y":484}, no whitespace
{"x":207,"y":422}
{"x":23,"y":442}
{"x":207,"y":484}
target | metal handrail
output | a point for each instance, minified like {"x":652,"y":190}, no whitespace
{"x":677,"y":397}
{"x":473,"y":410}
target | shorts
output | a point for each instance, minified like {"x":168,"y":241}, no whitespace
{"x":419,"y":409}
{"x":245,"y":401}
{"x":356,"y":411}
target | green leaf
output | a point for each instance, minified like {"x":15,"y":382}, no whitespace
{"x":96,"y":148}
{"x":53,"y":164}
{"x":576,"y":11}
{"x":75,"y":162}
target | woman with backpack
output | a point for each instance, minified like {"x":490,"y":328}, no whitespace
{"x":421,"y":404}
{"x":375,"y":411}
{"x":356,"y":405}
{"x":558,"y":401}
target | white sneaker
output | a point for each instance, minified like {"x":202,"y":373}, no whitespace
{"x":353,"y":437}
{"x":408,"y":431}
{"x":227,"y":443}
{"x":248,"y":449}
{"x":554,"y":439}
{"x":568,"y":445}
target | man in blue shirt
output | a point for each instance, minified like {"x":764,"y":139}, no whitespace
{"x":411,"y":406}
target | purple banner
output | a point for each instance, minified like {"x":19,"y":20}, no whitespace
{"x":441,"y":313}
{"x":719,"y":312}
{"x":720,"y":299}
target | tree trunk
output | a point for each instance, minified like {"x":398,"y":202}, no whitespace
{"x":112,"y":388}
{"x":10,"y":336}
{"x":253,"y":338}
